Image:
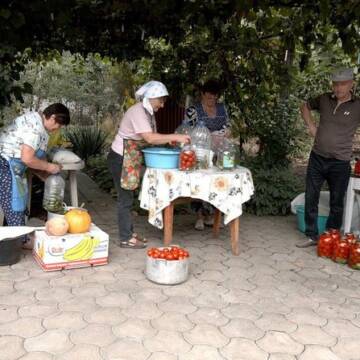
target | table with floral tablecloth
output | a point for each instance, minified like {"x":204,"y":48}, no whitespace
{"x":226,"y":190}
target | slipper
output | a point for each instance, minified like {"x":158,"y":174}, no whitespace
{"x":133,"y":243}
{"x":138,"y":237}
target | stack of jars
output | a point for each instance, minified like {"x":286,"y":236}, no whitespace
{"x":341,"y":249}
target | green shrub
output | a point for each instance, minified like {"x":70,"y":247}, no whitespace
{"x":86,"y":141}
{"x":275,"y":188}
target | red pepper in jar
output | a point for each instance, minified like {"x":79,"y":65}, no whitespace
{"x":325,"y":245}
{"x":341,"y":251}
{"x":354,"y":256}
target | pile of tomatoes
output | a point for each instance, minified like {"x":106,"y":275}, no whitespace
{"x":187,"y":160}
{"x":168,"y":253}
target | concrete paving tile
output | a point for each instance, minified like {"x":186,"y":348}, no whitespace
{"x":82,"y":352}
{"x":37,"y":355}
{"x":56,"y":294}
{"x":8,"y":313}
{"x":322,"y":295}
{"x":206,"y":334}
{"x":306,"y":316}
{"x":172,"y":321}
{"x":6,"y":287}
{"x":90,"y":289}
{"x":313,"y":335}
{"x":32,"y":284}
{"x":135,"y":329}
{"x":67,"y":281}
{"x":337,"y":311}
{"x":93,"y":334}
{"x":281,"y":357}
{"x":83,"y":304}
{"x":341,"y":328}
{"x":117,"y":299}
{"x":169,"y":341}
{"x":294,"y":288}
{"x":8,"y":274}
{"x":276,"y":322}
{"x":272,"y":306}
{"x":126,"y":349}
{"x":178,"y":304}
{"x":213,"y":301}
{"x":278,"y":342}
{"x":238,"y":284}
{"x":243,"y":328}
{"x":207,"y":315}
{"x":201,"y":352}
{"x":11,"y":347}
{"x":106,"y":316}
{"x":328,"y":284}
{"x":211,"y":275}
{"x":264,"y":280}
{"x":66,"y":321}
{"x":162,"y":356}
{"x":268,"y":291}
{"x":242,"y":311}
{"x":295,"y":301}
{"x":20,"y":298}
{"x":51,"y":341}
{"x":125,"y":286}
{"x":243,"y":349}
{"x":130,"y":274}
{"x":347,"y":348}
{"x":23,"y":327}
{"x":316,"y":352}
{"x":143,"y":310}
{"x":103,"y":277}
{"x":184,"y":289}
{"x":40,"y":309}
{"x":155,"y":295}
{"x":214,"y":266}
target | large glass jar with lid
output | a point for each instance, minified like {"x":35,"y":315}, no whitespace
{"x":54,"y":193}
{"x":226,"y":155}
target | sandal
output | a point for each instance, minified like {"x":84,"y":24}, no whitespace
{"x":133,"y":243}
{"x":138,"y":237}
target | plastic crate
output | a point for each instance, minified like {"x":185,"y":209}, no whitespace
{"x":300,"y":213}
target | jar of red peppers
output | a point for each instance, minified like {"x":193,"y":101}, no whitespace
{"x":341,"y":250}
{"x":354,"y":256}
{"x":325,"y":245}
{"x":187,"y":159}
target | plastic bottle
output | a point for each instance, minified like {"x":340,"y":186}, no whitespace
{"x":54,"y":193}
{"x":201,"y":140}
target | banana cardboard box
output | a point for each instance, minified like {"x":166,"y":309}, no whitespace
{"x":71,"y":250}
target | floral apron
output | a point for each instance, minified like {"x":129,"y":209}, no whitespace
{"x":19,"y":187}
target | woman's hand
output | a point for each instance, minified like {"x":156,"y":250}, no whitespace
{"x":53,"y":168}
{"x":182,"y":138}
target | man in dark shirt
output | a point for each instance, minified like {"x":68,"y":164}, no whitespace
{"x":330,"y":156}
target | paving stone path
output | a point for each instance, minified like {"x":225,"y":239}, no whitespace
{"x":273,"y":302}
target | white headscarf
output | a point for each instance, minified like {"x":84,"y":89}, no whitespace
{"x":150,"y":90}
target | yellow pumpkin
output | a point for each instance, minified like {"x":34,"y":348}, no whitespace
{"x":57,"y":226}
{"x":79,"y":221}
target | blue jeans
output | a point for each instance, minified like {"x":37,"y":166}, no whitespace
{"x":125,"y":198}
{"x":336,"y":173}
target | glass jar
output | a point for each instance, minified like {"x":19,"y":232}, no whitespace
{"x":354,"y":256}
{"x":325,"y":245}
{"x":54,"y":193}
{"x":226,"y":156}
{"x":187,"y":158}
{"x":341,"y":250}
{"x":201,"y":140}
{"x":357,"y":167}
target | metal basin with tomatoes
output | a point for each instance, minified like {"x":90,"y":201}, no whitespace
{"x":167,"y":265}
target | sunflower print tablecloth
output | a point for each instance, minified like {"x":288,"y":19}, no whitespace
{"x":226,"y":190}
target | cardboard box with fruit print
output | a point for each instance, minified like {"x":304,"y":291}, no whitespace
{"x":71,"y":251}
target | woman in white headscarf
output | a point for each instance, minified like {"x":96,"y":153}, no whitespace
{"x":137,"y":128}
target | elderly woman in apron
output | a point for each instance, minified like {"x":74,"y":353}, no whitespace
{"x":137,"y":129}
{"x":23,"y":144}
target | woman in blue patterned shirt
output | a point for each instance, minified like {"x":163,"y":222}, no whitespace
{"x":215,"y":118}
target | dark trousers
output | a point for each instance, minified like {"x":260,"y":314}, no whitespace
{"x":125,"y":198}
{"x":336,"y":173}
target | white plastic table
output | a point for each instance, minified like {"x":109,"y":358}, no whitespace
{"x":354,"y":185}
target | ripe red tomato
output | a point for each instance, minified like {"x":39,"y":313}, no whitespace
{"x":169,"y":256}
